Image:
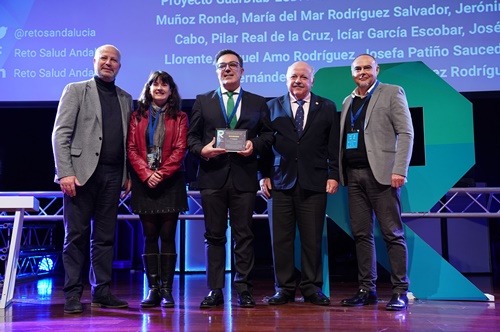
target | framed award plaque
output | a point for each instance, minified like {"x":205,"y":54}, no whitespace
{"x":233,"y":140}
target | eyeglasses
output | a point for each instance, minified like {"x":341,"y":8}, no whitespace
{"x":232,"y":65}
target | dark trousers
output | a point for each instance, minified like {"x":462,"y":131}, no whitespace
{"x":305,"y":210}
{"x":91,"y":213}
{"x":366,"y":197}
{"x":216,"y":203}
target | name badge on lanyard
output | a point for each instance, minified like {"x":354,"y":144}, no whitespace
{"x":352,"y":137}
{"x":352,"y":140}
{"x":223,"y":107}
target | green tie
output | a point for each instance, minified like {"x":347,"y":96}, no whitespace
{"x":229,"y":109}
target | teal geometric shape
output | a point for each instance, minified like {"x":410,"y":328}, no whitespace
{"x":449,"y":151}
{"x":448,"y":126}
{"x":431,"y":276}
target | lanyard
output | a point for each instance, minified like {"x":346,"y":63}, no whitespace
{"x":152,"y":124}
{"x":233,"y":113}
{"x":354,"y":117}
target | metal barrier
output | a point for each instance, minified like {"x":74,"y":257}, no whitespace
{"x":39,"y":255}
{"x":474,"y":203}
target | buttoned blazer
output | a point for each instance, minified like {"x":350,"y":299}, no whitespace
{"x":311,"y":159}
{"x":77,"y":134}
{"x":206,"y":116}
{"x":388,"y":133}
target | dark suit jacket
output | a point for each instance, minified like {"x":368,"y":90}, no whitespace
{"x":312,"y":158}
{"x":206,"y":116}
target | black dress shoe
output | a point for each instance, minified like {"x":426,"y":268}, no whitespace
{"x":280,"y":298}
{"x":73,"y":305}
{"x":317,"y":298}
{"x":245,"y":300}
{"x":213,"y":299}
{"x":362,"y":297}
{"x":398,"y":302}
{"x":108,"y":301}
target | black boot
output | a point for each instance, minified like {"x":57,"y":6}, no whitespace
{"x":153,"y":299}
{"x":168,"y":262}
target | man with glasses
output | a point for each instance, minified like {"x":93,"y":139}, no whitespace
{"x":228,"y":180}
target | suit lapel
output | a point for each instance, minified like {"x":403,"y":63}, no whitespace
{"x":95,"y":103}
{"x":124,"y":107}
{"x":371,"y":104}
{"x":286,"y":107}
{"x":244,"y":103}
{"x":345,"y":109}
{"x":217,"y":110}
{"x":313,"y":111}
{"x":285,"y":104}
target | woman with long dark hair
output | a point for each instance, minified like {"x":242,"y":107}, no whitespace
{"x":156,"y":149}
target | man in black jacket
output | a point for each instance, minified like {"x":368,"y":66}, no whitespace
{"x":228,"y":180}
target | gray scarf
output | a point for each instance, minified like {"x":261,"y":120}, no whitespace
{"x":159,"y":135}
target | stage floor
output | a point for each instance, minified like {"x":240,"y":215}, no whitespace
{"x":38,"y":306}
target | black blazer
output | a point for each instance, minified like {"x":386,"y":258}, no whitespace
{"x":312,"y":158}
{"x":206,"y":116}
